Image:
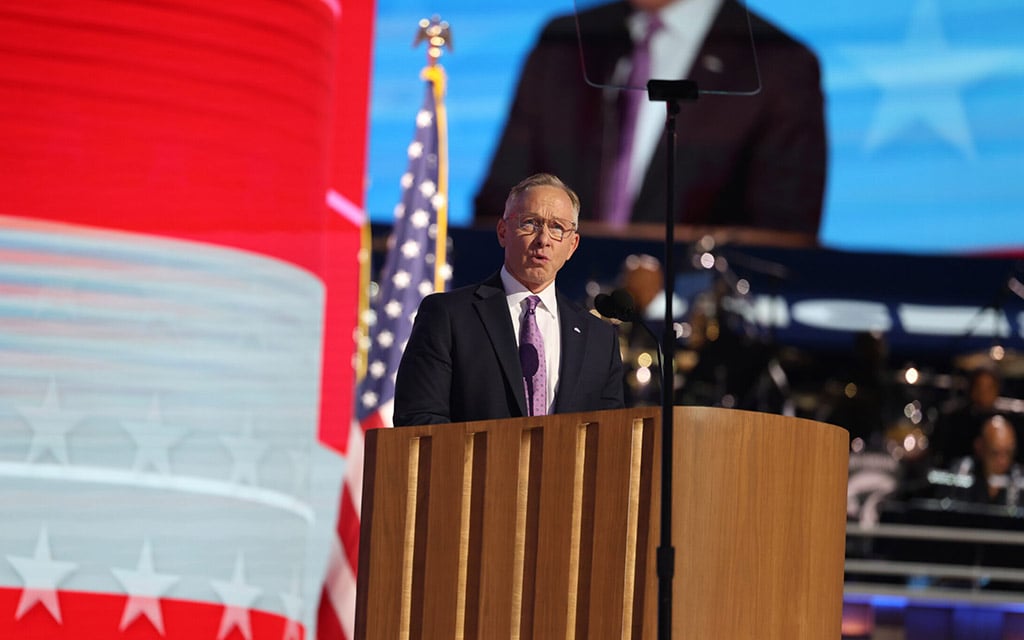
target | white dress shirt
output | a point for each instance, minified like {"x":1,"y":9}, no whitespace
{"x":685,"y":24}
{"x":547,"y":322}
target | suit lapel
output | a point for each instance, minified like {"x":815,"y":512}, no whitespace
{"x":574,"y":339}
{"x":492,"y":308}
{"x":726,"y":60}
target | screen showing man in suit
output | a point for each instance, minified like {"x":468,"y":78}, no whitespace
{"x":922,"y":104}
{"x":512,"y":345}
{"x":753,"y":157}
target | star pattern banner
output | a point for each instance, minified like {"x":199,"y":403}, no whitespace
{"x":180,"y":223}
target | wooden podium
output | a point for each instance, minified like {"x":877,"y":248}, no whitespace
{"x":546,"y":528}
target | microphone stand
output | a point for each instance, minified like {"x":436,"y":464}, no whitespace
{"x":671,"y":92}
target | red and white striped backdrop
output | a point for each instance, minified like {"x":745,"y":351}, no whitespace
{"x":181,"y":192}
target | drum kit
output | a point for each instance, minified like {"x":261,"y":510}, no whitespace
{"x":723,"y":357}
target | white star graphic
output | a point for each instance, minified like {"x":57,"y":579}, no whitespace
{"x":246,"y":452}
{"x":292,"y":612}
{"x":369,"y":399}
{"x":377,"y":369}
{"x":40,"y":575}
{"x":50,"y":425}
{"x":401,"y":279}
{"x":921,"y":80}
{"x":424,"y":118}
{"x":438,"y":200}
{"x":393,"y":309}
{"x":385,"y":339}
{"x":399,"y":211}
{"x":406,"y":180}
{"x":238,"y":598}
{"x":292,"y":629}
{"x":415,"y":149}
{"x":153,"y":440}
{"x":428,"y":188}
{"x":426,"y":288}
{"x":144,"y":587}
{"x":410,"y":248}
{"x":420,"y":218}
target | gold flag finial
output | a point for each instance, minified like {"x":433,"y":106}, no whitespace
{"x":438,"y":35}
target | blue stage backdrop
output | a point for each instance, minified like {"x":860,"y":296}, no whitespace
{"x":924,"y":100}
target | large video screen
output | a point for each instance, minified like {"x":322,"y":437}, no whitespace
{"x":923,"y":104}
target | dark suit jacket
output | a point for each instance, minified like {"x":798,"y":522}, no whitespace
{"x":756,"y":161}
{"x":462,"y":363}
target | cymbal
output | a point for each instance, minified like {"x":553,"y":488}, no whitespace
{"x":1010,"y":364}
{"x":921,"y":378}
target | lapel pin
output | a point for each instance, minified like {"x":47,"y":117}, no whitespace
{"x":713,"y":63}
{"x":576,"y":329}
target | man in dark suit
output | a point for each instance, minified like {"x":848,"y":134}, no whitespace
{"x":996,"y":478}
{"x":463,"y":360}
{"x":755,"y":161}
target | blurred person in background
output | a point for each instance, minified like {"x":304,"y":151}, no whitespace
{"x":990,"y":475}
{"x":643,"y":279}
{"x":959,"y":425}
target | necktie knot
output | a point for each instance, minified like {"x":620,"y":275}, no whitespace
{"x":531,"y":304}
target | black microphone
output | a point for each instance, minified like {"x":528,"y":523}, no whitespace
{"x":530,"y":360}
{"x":619,"y":305}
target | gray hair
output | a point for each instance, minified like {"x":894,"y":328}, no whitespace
{"x":542,"y":180}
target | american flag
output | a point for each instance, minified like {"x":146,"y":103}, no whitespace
{"x":414,"y":267}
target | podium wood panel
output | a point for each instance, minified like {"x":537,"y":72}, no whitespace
{"x":758,"y":525}
{"x":546,"y":527}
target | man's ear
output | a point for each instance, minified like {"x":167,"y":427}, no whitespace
{"x":502,"y":229}
{"x":575,"y":245}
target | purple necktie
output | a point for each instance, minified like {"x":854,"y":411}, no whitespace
{"x":618,"y":202}
{"x":531,"y":356}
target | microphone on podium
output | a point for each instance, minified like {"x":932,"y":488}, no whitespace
{"x":530,"y":360}
{"x":618,"y":305}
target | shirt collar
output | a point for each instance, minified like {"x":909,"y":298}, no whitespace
{"x":690,"y":17}
{"x":516,"y":292}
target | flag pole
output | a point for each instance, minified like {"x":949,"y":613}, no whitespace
{"x":437,"y":34}
{"x":409,"y":273}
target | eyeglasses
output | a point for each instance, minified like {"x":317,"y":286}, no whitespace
{"x":557,"y":229}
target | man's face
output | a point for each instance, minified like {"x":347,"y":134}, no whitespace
{"x":535,"y":258}
{"x":998,"y":447}
{"x":984,"y":390}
